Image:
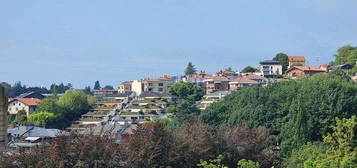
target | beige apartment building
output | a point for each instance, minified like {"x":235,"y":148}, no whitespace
{"x":125,"y":87}
{"x":158,"y":85}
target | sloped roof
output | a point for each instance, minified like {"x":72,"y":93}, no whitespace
{"x":31,"y":131}
{"x":28,"y":101}
{"x":296,"y":58}
{"x":307,"y":68}
{"x":253,"y":76}
{"x":244,"y":80}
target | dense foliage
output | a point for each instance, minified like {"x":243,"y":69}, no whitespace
{"x":249,"y":69}
{"x":60,"y":112}
{"x":297,"y":111}
{"x":346,"y":55}
{"x":186,"y":90}
{"x":153,"y":146}
{"x":339,"y":148}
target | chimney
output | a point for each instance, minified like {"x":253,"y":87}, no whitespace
{"x":3,"y":120}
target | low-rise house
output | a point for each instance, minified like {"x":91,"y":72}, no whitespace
{"x":29,"y":105}
{"x":243,"y":82}
{"x":208,"y":99}
{"x":197,"y":79}
{"x":296,"y":61}
{"x":325,"y":67}
{"x":125,"y":87}
{"x":29,"y":136}
{"x":229,"y":74}
{"x":270,"y":68}
{"x":217,"y":83}
{"x":303,"y":70}
{"x":260,"y":79}
{"x":158,"y":85}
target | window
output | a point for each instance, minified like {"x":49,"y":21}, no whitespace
{"x":150,"y":84}
{"x":161,"y":84}
{"x":161,"y":89}
{"x":150,"y":89}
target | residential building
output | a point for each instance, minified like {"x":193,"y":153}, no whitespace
{"x":30,"y":136}
{"x":197,"y":79}
{"x":325,"y":67}
{"x":270,"y":68}
{"x":296,"y":61}
{"x":125,"y":87}
{"x":260,"y":79}
{"x":29,"y":105}
{"x":240,"y":83}
{"x":303,"y":70}
{"x":229,"y":74}
{"x":208,"y":99}
{"x":158,"y":85}
{"x":217,"y":83}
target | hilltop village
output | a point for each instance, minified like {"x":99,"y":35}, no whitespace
{"x":118,"y":111}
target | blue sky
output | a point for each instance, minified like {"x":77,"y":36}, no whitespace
{"x":80,"y":41}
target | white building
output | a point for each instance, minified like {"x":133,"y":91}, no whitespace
{"x":270,"y":68}
{"x":28,"y":105}
{"x":157,"y":85}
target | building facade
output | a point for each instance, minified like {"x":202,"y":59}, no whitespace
{"x":29,"y":105}
{"x":303,"y":70}
{"x":125,"y":87}
{"x":243,"y":82}
{"x":157,"y":85}
{"x":296,"y":61}
{"x":216,"y":83}
{"x":270,"y":68}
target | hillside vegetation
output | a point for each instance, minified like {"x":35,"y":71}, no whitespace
{"x":297,"y":111}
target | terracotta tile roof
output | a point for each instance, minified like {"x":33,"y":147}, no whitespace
{"x":254,"y":76}
{"x":244,"y":80}
{"x":28,"y":101}
{"x":309,"y":68}
{"x":296,"y":58}
{"x":161,"y":79}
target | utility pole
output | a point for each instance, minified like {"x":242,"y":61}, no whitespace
{"x":3,"y":120}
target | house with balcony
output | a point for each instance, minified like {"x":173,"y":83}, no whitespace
{"x":125,"y":87}
{"x":158,"y":85}
{"x":242,"y":82}
{"x":216,"y":83}
{"x":271,"y":69}
{"x":197,"y":79}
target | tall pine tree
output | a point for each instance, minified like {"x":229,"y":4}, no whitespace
{"x":190,"y":69}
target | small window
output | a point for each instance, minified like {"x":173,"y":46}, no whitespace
{"x":161,"y":84}
{"x":150,"y":89}
{"x":161,"y":89}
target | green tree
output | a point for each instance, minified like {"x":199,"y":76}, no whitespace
{"x":42,"y":119}
{"x":49,"y":105}
{"x":109,"y":87}
{"x":283,"y":59}
{"x":186,"y":110}
{"x":248,"y":164}
{"x":190,"y":69}
{"x":74,"y":103}
{"x":346,"y":55}
{"x":185,"y":90}
{"x":213,"y":163}
{"x":21,"y":117}
{"x":87,"y":90}
{"x":339,"y":148}
{"x":249,"y":69}
{"x":96,"y":85}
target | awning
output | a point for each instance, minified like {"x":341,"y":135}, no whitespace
{"x":32,"y":139}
